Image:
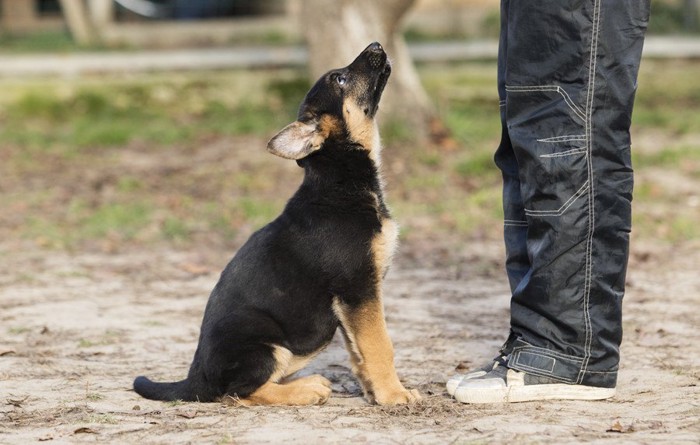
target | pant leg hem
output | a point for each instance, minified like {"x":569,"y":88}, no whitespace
{"x":556,"y":365}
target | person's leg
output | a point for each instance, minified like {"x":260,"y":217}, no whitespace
{"x":570,"y":76}
{"x":514,"y":222}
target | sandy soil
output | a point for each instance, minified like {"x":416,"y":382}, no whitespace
{"x":75,"y":328}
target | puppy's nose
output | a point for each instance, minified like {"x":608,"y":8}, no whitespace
{"x":375,"y":47}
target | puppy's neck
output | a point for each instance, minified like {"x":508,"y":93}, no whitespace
{"x":343,"y":169}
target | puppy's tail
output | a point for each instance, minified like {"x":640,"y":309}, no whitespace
{"x":181,"y":390}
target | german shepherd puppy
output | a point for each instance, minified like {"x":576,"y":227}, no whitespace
{"x":318,"y":266}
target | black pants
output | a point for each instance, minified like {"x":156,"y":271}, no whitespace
{"x":567,"y":77}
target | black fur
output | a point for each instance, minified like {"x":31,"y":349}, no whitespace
{"x":279,"y":287}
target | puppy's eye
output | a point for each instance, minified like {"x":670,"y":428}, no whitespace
{"x":341,"y":80}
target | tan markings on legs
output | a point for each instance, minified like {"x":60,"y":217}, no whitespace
{"x":362,"y":129}
{"x":355,"y":361}
{"x":369,"y":340}
{"x":384,"y":246}
{"x":311,"y":390}
{"x":288,"y":363}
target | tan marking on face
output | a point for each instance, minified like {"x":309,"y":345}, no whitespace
{"x":372,"y":351}
{"x":328,"y":125}
{"x":362,"y":129}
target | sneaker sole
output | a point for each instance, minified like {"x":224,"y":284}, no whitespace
{"x":532,"y":393}
{"x":454,"y":382}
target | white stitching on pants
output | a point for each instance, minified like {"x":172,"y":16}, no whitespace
{"x":555,"y":88}
{"x":591,"y":208}
{"x":561,"y":154}
{"x":560,"y":211}
{"x":567,"y":138}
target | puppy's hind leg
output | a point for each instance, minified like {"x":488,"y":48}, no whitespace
{"x":311,"y":390}
{"x":277,"y":389}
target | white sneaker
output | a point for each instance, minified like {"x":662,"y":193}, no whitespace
{"x":455,"y":380}
{"x":502,"y":385}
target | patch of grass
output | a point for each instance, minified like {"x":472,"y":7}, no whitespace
{"x":43,"y":41}
{"x":85,"y":343}
{"x":289,"y":91}
{"x":108,"y":338}
{"x":476,"y":164}
{"x":175,"y":229}
{"x":667,"y":157}
{"x":257,"y":211}
{"x":684,"y":228}
{"x":666,"y":17}
{"x":94,"y":397}
{"x":467,"y":100}
{"x":75,"y":131}
{"x":174,"y":403}
{"x":47,"y":232}
{"x":226,"y":439}
{"x":106,"y":419}
{"x":123,"y":219}
{"x":394,"y":132}
{"x":114,"y":114}
{"x":129,"y":184}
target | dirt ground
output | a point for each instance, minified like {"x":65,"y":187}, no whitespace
{"x":77,"y":327}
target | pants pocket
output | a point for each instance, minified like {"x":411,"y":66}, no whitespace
{"x":547,"y":131}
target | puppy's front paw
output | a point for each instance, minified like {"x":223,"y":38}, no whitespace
{"x":317,"y":394}
{"x":400,"y":397}
{"x":316,"y":389}
{"x":319,"y":380}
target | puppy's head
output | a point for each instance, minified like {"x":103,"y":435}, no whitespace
{"x":342,"y":104}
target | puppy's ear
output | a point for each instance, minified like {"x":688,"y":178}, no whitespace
{"x":295,"y":141}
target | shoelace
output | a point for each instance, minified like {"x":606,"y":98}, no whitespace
{"x":501,"y":360}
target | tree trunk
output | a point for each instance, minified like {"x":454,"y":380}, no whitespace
{"x":337,"y":30}
{"x":78,"y":21}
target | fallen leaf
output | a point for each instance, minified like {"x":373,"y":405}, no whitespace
{"x":84,"y":430}
{"x":3,"y":353}
{"x":617,"y":427}
{"x":461,"y":366}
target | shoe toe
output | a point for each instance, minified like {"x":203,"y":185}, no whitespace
{"x":453,"y":383}
{"x":482,"y":383}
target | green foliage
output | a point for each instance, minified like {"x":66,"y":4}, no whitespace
{"x":115,"y":114}
{"x":395,"y":132}
{"x":478,"y":163}
{"x":91,"y":125}
{"x":667,"y":17}
{"x":175,"y":229}
{"x":124,"y":219}
{"x":42,"y":41}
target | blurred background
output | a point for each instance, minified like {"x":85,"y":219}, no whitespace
{"x":132,"y":123}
